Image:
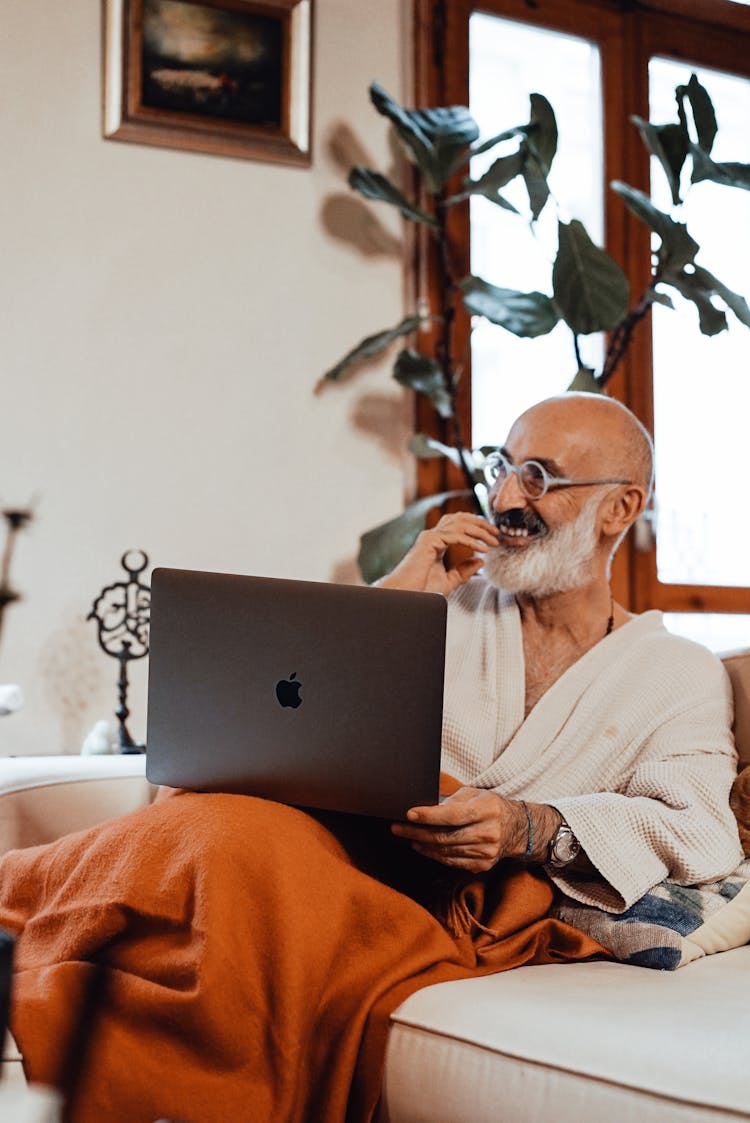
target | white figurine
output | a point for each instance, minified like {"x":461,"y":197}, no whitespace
{"x":98,"y":740}
{"x":11,"y":699}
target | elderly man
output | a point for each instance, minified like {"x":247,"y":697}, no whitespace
{"x":223,"y":956}
{"x":591,"y":741}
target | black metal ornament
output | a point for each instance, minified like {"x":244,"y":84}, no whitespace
{"x":122,"y":612}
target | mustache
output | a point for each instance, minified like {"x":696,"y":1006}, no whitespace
{"x":519,"y":518}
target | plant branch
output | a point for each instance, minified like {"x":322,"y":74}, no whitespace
{"x":622,"y":335}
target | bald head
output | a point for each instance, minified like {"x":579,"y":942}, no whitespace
{"x":603,"y":436}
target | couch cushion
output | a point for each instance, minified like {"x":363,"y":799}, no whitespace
{"x":44,"y":797}
{"x":737,"y":664}
{"x":575,"y":1041}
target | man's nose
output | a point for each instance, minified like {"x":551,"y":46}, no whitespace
{"x":509,"y":491}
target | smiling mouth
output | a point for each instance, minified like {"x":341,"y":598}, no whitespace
{"x":521,"y":525}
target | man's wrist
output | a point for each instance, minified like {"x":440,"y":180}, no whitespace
{"x":536,"y":824}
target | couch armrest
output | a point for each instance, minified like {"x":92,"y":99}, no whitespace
{"x":45,"y":797}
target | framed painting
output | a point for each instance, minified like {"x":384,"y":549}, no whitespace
{"x":229,"y":77}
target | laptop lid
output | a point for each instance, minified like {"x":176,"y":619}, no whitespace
{"x":319,"y":695}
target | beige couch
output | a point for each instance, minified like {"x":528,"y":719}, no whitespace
{"x":579,"y":1043}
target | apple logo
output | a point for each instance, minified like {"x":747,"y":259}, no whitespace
{"x":287,"y":691}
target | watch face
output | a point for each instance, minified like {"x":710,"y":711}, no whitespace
{"x":564,"y":846}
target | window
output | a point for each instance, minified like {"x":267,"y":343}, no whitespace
{"x":598,"y":62}
{"x":506,"y":59}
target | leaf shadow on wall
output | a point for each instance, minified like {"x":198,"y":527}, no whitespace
{"x":345,"y":216}
{"x":381,"y":417}
{"x":384,"y":419}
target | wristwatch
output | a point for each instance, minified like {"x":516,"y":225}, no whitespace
{"x":563,"y":847}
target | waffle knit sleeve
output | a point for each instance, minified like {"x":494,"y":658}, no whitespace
{"x":669,"y":817}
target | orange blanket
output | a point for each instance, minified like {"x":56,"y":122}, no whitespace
{"x":222,"y":957}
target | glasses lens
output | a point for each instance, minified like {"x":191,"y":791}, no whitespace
{"x":533,"y":479}
{"x":495,"y":467}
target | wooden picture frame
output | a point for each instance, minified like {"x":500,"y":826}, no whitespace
{"x":227,"y":77}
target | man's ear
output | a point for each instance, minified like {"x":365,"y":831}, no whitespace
{"x":621,"y":509}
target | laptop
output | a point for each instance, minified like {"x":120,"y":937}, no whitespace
{"x":318,"y":695}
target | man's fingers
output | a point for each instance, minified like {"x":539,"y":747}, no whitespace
{"x":444,"y":542}
{"x":479,"y":535}
{"x":475,"y":863}
{"x":465,"y":529}
{"x":463,"y":571}
{"x":466,"y":806}
{"x":433,"y":836}
{"x":468,"y":519}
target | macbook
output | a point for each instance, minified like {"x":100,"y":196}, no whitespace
{"x":319,"y":695}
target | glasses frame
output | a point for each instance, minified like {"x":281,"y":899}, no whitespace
{"x":550,"y":483}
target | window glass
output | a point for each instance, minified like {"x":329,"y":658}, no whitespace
{"x":507,"y":62}
{"x":718,"y":631}
{"x":702,"y":384}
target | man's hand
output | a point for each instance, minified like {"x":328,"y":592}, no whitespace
{"x":424,"y":567}
{"x":471,"y":830}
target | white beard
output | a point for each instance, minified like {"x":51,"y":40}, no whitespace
{"x":563,"y":559}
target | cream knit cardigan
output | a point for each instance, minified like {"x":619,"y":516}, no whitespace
{"x":632,"y":744}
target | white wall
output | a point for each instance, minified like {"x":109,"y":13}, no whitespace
{"x":164,"y":318}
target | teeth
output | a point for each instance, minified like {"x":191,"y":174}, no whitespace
{"x":515,"y":532}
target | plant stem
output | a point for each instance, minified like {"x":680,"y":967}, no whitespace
{"x":620,"y":339}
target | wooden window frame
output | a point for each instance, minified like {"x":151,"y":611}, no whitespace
{"x":628,"y":32}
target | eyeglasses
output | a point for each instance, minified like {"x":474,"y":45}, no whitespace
{"x":534,"y":480}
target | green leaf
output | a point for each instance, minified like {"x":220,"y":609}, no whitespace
{"x":677,"y":248}
{"x":585,"y":380}
{"x":590,"y":288}
{"x":711,"y":319}
{"x":508,"y":134}
{"x":526,"y":314}
{"x":501,"y":201}
{"x":372,"y":345}
{"x":703,"y":111}
{"x":435,"y":138}
{"x":425,"y":375}
{"x":536,"y":188}
{"x":498,"y":175}
{"x":542,"y":138}
{"x":407,"y":126}
{"x":669,"y":144}
{"x":653,"y":296}
{"x":463,"y":158}
{"x":383,"y":547}
{"x":373,"y":185}
{"x":733,"y":300}
{"x":538,"y":151}
{"x":428,"y":448}
{"x":727,"y":174}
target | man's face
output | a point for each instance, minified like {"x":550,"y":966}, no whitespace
{"x":548,"y":559}
{"x":547,"y":545}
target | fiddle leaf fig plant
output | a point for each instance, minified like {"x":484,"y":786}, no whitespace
{"x":589,"y":292}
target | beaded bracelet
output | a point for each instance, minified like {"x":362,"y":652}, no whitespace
{"x":530,"y":844}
